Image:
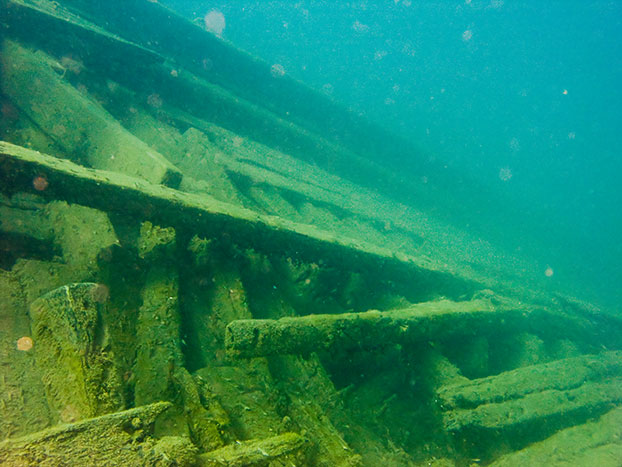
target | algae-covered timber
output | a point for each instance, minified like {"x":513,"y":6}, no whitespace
{"x":115,"y":192}
{"x":369,"y":330}
{"x":598,"y":442}
{"x":284,"y":449}
{"x":558,"y":375}
{"x":115,"y":439}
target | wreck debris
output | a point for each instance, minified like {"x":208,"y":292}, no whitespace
{"x":77,"y":124}
{"x":79,"y":376}
{"x":121,"y":438}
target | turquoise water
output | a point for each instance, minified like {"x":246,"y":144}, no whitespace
{"x":518,"y":101}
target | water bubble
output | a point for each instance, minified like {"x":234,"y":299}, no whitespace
{"x":40,"y":183}
{"x":100,"y":293}
{"x":277,"y":70}
{"x":505,"y":174}
{"x":24,"y":344}
{"x":214,"y":22}
{"x":154,"y":100}
{"x":360,"y":27}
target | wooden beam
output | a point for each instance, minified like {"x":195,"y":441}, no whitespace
{"x":369,"y":330}
{"x":208,"y":217}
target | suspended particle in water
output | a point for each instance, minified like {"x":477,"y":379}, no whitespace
{"x":409,"y":50}
{"x":380,"y":54}
{"x":360,"y":27}
{"x":572,"y":135}
{"x":214,"y":22}
{"x":154,"y":100}
{"x":514,"y":144}
{"x":467,"y":35}
{"x":100,"y":293}
{"x":24,"y":344}
{"x":237,"y":141}
{"x":9,"y":111}
{"x":40,"y":183}
{"x":277,"y":70}
{"x":548,"y":272}
{"x":565,"y":92}
{"x":505,"y":174}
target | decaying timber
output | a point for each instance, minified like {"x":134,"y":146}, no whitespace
{"x":357,"y":331}
{"x":558,"y":375}
{"x":114,"y":439}
{"x":191,"y":261}
{"x":597,"y":442}
{"x":285,"y":448}
{"x":165,"y":206}
{"x":75,"y":123}
{"x":80,"y":379}
{"x":532,"y":402}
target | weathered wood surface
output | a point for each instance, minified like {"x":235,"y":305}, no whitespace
{"x":562,"y":374}
{"x":361,"y":331}
{"x":547,"y":407}
{"x":534,"y":401}
{"x":79,"y":376}
{"x":596,"y":443}
{"x":81,"y":127}
{"x":203,"y":215}
{"x":122,"y":438}
{"x":281,"y":448}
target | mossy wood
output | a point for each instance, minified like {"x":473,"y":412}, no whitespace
{"x":369,"y":330}
{"x":598,"y":442}
{"x":79,"y":377}
{"x":283,"y":449}
{"x":531,"y":403}
{"x":140,"y":292}
{"x":201,"y":214}
{"x":121,"y":438}
{"x":78,"y":125}
{"x":561,"y":374}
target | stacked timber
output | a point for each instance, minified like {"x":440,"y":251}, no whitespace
{"x":529,"y":403}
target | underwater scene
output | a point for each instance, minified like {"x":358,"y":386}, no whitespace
{"x":310,"y":233}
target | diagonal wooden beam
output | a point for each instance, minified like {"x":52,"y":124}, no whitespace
{"x":210,"y":218}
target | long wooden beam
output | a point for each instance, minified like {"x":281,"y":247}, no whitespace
{"x":370,"y":330}
{"x":208,"y":217}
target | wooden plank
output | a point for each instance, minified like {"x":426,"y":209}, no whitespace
{"x":370,"y":330}
{"x":276,"y":449}
{"x":558,"y":375}
{"x":205,"y":216}
{"x":551,"y":407}
{"x":121,"y":438}
{"x":78,"y":125}
{"x":596,"y":443}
